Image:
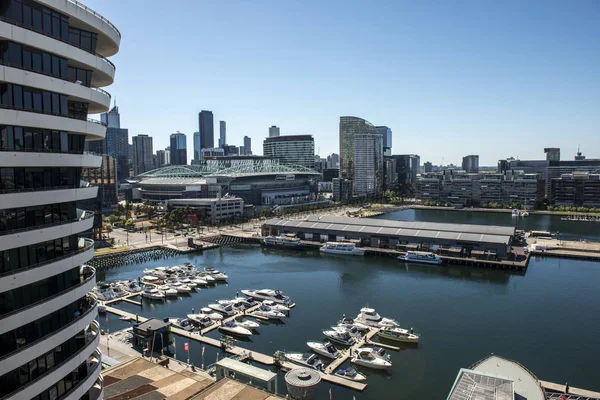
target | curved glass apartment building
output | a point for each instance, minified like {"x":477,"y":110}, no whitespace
{"x":349,"y":127}
{"x":52,"y":67}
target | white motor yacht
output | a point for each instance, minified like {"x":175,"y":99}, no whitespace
{"x":211,"y":270}
{"x":199,"y":282}
{"x":181,"y":288}
{"x":235,"y":329}
{"x":289,"y":242}
{"x":307,"y":359}
{"x":188,"y":282}
{"x":268,"y":294}
{"x":236,"y":305}
{"x":268,"y":312}
{"x":211,"y":314}
{"x":422,"y":257}
{"x":399,"y":335}
{"x":246,"y":323}
{"x":201,"y":320}
{"x":222,"y":308}
{"x":368,"y":357}
{"x":324,"y":349}
{"x":351,"y":329}
{"x":207,"y":277}
{"x":342,"y":248}
{"x":153,"y":294}
{"x":248,"y":302}
{"x":370,"y":317}
{"x":168,"y":290}
{"x":133,"y":287}
{"x":351,"y":321}
{"x":343,"y":338}
{"x":276,"y":306}
{"x":182,"y":323}
{"x":150,"y":279}
{"x":350,"y":373}
{"x":220,"y":277}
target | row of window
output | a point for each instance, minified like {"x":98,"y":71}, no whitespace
{"x":41,"y":101}
{"x":24,"y":57}
{"x":34,"y":16}
{"x":30,"y":333}
{"x":38,"y":178}
{"x":17,"y":258}
{"x":36,"y":216}
{"x":43,"y":364}
{"x":24,"y":296}
{"x":62,"y":388}
{"x":18,"y":138}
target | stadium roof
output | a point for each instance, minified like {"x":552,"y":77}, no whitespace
{"x":222,"y":169}
{"x":416,"y":230}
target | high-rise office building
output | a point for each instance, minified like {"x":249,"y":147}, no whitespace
{"x":117,"y":142}
{"x":222,"y":133}
{"x":197,"y":146}
{"x":333,"y":161}
{"x":291,"y":149}
{"x":160,"y":158}
{"x":143,"y":153}
{"x":368,"y":164}
{"x":427,"y":166}
{"x":349,"y":127}
{"x":470,"y":164}
{"x":552,"y":153}
{"x":48,"y":332}
{"x":207,"y":129}
{"x":168,"y":155}
{"x":247,"y":146}
{"x":387,"y":139}
{"x":273,"y":131}
{"x":178,"y":149}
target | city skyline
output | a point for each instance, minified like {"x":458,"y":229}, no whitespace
{"x":427,"y":75}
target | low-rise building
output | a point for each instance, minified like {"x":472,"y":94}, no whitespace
{"x":342,"y":189}
{"x":217,"y":210}
{"x":580,"y":189}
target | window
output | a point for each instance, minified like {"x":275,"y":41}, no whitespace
{"x":47,"y":100}
{"x":18,"y":96}
{"x":36,"y":61}
{"x":47,"y":20}
{"x":37,"y":19}
{"x":37,"y":101}
{"x":47,"y":63}
{"x":56,"y":66}
{"x":27,"y":63}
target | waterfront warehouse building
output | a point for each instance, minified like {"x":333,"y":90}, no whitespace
{"x":460,"y":239}
{"x":53,"y":68}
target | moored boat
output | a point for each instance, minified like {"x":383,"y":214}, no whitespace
{"x":351,"y":374}
{"x":235,"y":329}
{"x":422,"y":257}
{"x":324,"y":349}
{"x":399,"y":335}
{"x":268,"y":312}
{"x":307,"y":359}
{"x":268,"y":294}
{"x":370,"y":358}
{"x":289,"y":242}
{"x":342,"y":248}
{"x":342,"y":338}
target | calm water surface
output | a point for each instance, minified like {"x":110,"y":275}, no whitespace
{"x":548,"y":319}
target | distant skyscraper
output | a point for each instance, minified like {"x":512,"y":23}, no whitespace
{"x":387,"y":139}
{"x":197,"y":146}
{"x":142,"y":154}
{"x":206,"y":129}
{"x":112,"y":119}
{"x":427,"y":167}
{"x":471,"y":164}
{"x":368,"y":163}
{"x":552,"y":153}
{"x":178,"y":149}
{"x":273,"y":131}
{"x":115,"y":144}
{"x":247,"y":146}
{"x":160,"y":158}
{"x":333,"y":161}
{"x":291,"y":149}
{"x":349,"y":127}
{"x":222,"y":133}
{"x":168,"y":155}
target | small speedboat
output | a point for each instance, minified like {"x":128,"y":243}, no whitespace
{"x":181,"y":288}
{"x":324,"y":349}
{"x":153,"y":294}
{"x":351,"y":374}
{"x":268,"y":294}
{"x":220,"y":277}
{"x":342,"y":337}
{"x":307,"y":359}
{"x":246,"y":323}
{"x":188,"y":282}
{"x":170,"y":292}
{"x":222,"y":308}
{"x":234,"y":328}
{"x":211,"y":314}
{"x":202,"y":320}
{"x":350,"y":321}
{"x":276,"y":306}
{"x":207,"y":277}
{"x":370,"y":317}
{"x":399,"y":335}
{"x":370,"y":358}
{"x":182,"y":323}
{"x":247,"y":301}
{"x":268,"y":312}
{"x":211,"y":270}
{"x":199,"y":282}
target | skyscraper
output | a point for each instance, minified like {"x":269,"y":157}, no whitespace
{"x":160,"y":158}
{"x":470,"y":164}
{"x":117,"y":142}
{"x":350,"y":126}
{"x":48,"y":332}
{"x":142,"y":154}
{"x":206,"y":129}
{"x":247,"y":146}
{"x":168,"y":155}
{"x":197,"y":146}
{"x":291,"y":149}
{"x":333,"y":161}
{"x":387,"y":139}
{"x":552,"y":153}
{"x":179,"y":148}
{"x":273,"y":131}
{"x":368,"y":164}
{"x":222,"y":134}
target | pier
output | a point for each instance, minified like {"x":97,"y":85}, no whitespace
{"x":564,"y":248}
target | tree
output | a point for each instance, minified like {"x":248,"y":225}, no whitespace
{"x":108,"y":230}
{"x":129,"y":224}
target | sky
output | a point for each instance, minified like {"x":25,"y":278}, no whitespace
{"x":498,"y":79}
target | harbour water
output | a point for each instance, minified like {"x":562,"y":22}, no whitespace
{"x":547,"y":318}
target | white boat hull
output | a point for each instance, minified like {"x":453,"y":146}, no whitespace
{"x":320,"y":349}
{"x":238,"y":330}
{"x":437,"y":261}
{"x":368,"y":364}
{"x":354,"y":252}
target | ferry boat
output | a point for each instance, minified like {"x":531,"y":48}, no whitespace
{"x":422,"y":257}
{"x":290,"y":242}
{"x":342,"y":248}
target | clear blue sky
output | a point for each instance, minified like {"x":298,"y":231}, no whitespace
{"x":450,"y":78}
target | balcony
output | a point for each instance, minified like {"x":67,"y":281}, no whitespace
{"x":42,"y":233}
{"x":93,"y":382}
{"x":47,"y":343}
{"x":33,"y":312}
{"x":16,"y":198}
{"x":16,"y":117}
{"x":44,"y":381}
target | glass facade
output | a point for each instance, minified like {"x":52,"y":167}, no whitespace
{"x":19,"y":138}
{"x":368,"y":164}
{"x":206,"y":128}
{"x":36,"y":216}
{"x":16,"y":179}
{"x":291,"y":150}
{"x":19,"y":258}
{"x":350,"y":126}
{"x":178,"y":149}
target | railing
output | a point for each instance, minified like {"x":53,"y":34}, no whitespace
{"x":15,"y":393}
{"x":90,"y":372}
{"x":94,"y":13}
{"x":87,"y":244}
{"x":85,"y":215}
{"x":9,"y":107}
{"x":95,"y":392}
{"x":93,"y":304}
{"x":46,"y":188}
{"x":19,"y":24}
{"x":104,"y":92}
{"x":56,"y":151}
